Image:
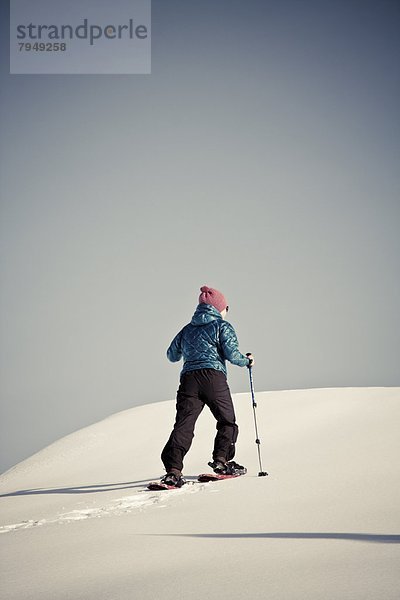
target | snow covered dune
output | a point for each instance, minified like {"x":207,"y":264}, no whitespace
{"x":78,"y":523}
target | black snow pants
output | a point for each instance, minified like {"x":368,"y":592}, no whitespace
{"x":197,"y":388}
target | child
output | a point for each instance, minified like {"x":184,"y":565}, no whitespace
{"x":205,"y":343}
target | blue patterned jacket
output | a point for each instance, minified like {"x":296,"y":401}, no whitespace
{"x":206,"y":342}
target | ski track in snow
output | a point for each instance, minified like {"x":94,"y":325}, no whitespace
{"x":139,"y":501}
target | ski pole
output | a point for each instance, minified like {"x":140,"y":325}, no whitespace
{"x":258,"y":441}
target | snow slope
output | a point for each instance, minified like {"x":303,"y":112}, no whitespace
{"x":78,"y":523}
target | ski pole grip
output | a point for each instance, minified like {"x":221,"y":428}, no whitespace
{"x":251,"y":360}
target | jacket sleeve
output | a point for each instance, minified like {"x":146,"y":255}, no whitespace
{"x":174,"y":352}
{"x":230,"y":346}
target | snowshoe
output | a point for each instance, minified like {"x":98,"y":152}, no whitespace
{"x":170,"y":481}
{"x":206,"y":477}
{"x":231,"y":468}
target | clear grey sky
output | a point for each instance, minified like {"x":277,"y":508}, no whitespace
{"x":261,"y":157}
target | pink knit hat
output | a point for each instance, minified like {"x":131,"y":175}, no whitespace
{"x":214,"y":297}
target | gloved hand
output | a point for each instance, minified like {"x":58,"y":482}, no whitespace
{"x":251,"y":357}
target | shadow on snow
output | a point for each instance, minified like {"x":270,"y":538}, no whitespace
{"x":81,"y":489}
{"x":355,"y":537}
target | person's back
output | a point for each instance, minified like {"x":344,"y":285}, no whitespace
{"x":204,"y":344}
